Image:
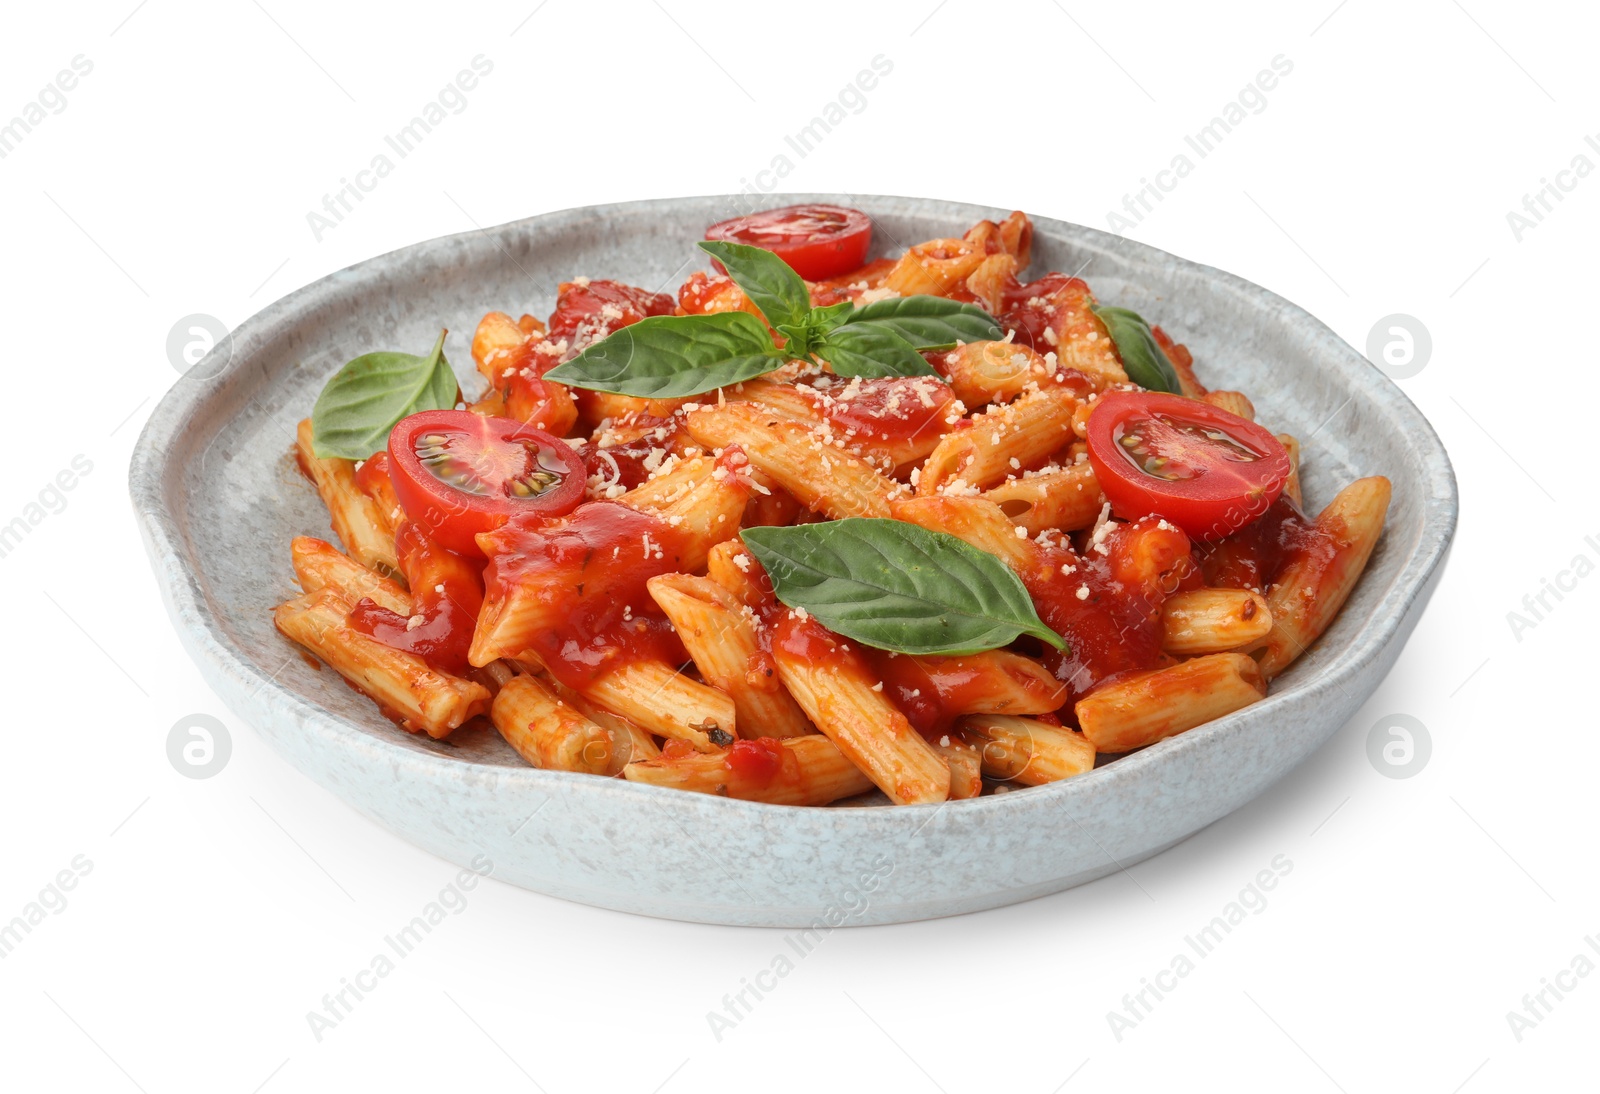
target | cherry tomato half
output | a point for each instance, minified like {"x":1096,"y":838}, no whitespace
{"x":457,"y":474}
{"x":1205,"y":470}
{"x":817,"y":241}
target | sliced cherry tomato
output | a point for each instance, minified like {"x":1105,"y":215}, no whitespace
{"x":1205,"y":470}
{"x":457,"y":474}
{"x":817,"y":241}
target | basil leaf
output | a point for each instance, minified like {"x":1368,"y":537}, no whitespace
{"x":897,"y":586}
{"x":929,"y":322}
{"x":362,"y":402}
{"x":822,"y":320}
{"x":669,"y":356}
{"x":766,"y":279}
{"x":870,"y":352}
{"x":1142,"y":357}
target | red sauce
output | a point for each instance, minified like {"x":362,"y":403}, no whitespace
{"x":1255,"y":555}
{"x":1115,"y":626}
{"x":1031,"y":309}
{"x":932,"y":692}
{"x":528,"y":396}
{"x":888,"y":410}
{"x":836,"y":290}
{"x":758,"y":760}
{"x":804,"y":639}
{"x":589,"y":571}
{"x":702,"y":293}
{"x":446,"y":595}
{"x":372,"y":477}
{"x":625,"y":463}
{"x":581,"y":311}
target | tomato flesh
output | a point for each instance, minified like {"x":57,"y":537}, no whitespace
{"x":817,"y":241}
{"x":457,"y":474}
{"x":1205,"y":470}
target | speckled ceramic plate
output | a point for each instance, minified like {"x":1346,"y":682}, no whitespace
{"x":218,"y":501}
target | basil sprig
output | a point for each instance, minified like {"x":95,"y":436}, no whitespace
{"x":1142,"y":357}
{"x":362,"y":402}
{"x":898,"y":586}
{"x":680,"y":355}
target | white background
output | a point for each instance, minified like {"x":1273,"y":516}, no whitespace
{"x":1377,"y":179}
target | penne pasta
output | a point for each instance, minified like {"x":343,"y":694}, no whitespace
{"x":720,"y":634}
{"x":357,"y":520}
{"x":551,"y":734}
{"x":731,"y":565}
{"x":934,"y":267}
{"x":661,"y":699}
{"x":1137,"y":711}
{"x":1213,"y":621}
{"x":820,"y":475}
{"x":1026,"y":750}
{"x":420,"y":698}
{"x":320,"y":565}
{"x":992,"y":372}
{"x":966,"y":766}
{"x":1234,"y":402}
{"x":833,"y":686}
{"x":1318,"y":577}
{"x":810,"y":771}
{"x":1291,"y":485}
{"x":1064,"y":500}
{"x":1001,"y":441}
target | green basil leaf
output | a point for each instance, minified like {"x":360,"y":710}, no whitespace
{"x":800,"y":340}
{"x":822,"y":320}
{"x":870,"y":352}
{"x":1142,"y":357}
{"x":929,"y":322}
{"x":766,"y":279}
{"x":669,"y":356}
{"x":897,"y":586}
{"x":362,"y":402}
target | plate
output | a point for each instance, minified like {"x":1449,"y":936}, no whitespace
{"x":218,"y":499}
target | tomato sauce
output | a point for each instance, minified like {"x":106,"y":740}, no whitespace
{"x":893,"y":411}
{"x":629,"y":463}
{"x":526,"y":394}
{"x":932,"y":692}
{"x":446,"y":596}
{"x":1107,"y":605}
{"x":850,"y":286}
{"x":757,"y":760}
{"x":1031,"y":309}
{"x":589,"y":571}
{"x":1254,"y":557}
{"x":587,"y":311}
